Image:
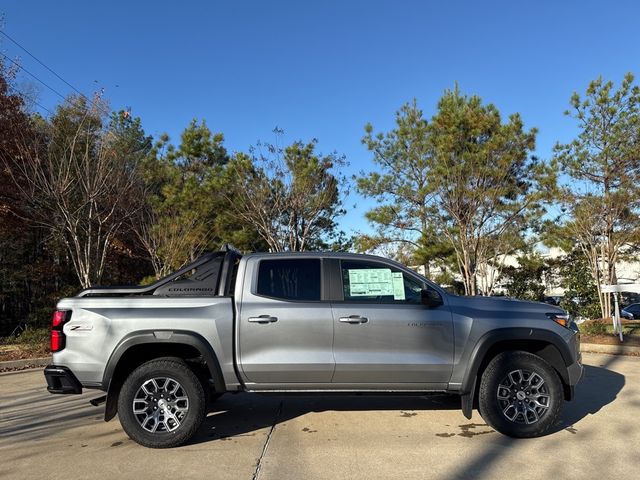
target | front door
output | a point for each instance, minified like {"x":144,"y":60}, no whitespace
{"x":384,"y":334}
{"x":285,"y":330}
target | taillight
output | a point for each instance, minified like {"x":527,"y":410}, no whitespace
{"x":57,"y":341}
{"x":60,"y":317}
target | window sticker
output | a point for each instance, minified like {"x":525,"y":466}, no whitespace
{"x":374,"y":282}
{"x":398,"y":286}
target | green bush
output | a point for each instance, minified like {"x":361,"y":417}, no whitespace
{"x":580,"y":296}
{"x":31,"y":336}
{"x":594,"y":327}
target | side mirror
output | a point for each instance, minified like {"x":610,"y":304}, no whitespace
{"x":431,"y":298}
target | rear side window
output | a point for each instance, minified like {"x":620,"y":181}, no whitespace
{"x":290,"y":279}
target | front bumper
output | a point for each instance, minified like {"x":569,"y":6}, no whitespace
{"x":61,"y":380}
{"x":575,"y":371}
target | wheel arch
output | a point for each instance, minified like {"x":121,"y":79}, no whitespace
{"x":546,"y":344}
{"x":142,"y":346}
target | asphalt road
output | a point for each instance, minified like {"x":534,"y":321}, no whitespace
{"x":345,"y":437}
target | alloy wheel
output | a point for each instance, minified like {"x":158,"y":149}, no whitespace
{"x":523,"y":396}
{"x":160,"y":405}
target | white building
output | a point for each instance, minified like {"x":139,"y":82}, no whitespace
{"x":488,"y":276}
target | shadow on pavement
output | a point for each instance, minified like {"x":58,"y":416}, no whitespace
{"x":242,"y":414}
{"x":33,"y":413}
{"x":598,"y":388}
{"x":41,"y":415}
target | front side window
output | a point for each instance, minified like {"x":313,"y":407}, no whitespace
{"x":290,"y":279}
{"x":377,"y":282}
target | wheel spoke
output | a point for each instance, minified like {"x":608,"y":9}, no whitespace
{"x":136,"y":409}
{"x":170,"y":416}
{"x":513,"y":379}
{"x":538,"y":380}
{"x":145,"y":389}
{"x":544,"y":397}
{"x":181,"y":409}
{"x":534,"y":414}
{"x":503,"y":396}
{"x":149,"y":418}
{"x":512,"y":408}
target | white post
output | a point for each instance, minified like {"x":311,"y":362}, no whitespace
{"x":617,"y":325}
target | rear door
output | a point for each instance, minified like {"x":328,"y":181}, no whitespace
{"x":285,"y":331}
{"x":383,"y":333}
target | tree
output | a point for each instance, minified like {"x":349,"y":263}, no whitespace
{"x":77,"y":178}
{"x":290,"y":196}
{"x":20,"y":245}
{"x":601,"y":202}
{"x":504,"y":245}
{"x":464,"y":182}
{"x":526,"y":279}
{"x":182,"y":192}
{"x":580,"y":297}
{"x":486,"y":185}
{"x":402,"y":188}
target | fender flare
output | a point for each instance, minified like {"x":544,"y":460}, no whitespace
{"x":157,"y":337}
{"x":492,"y":338}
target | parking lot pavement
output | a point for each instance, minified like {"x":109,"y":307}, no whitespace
{"x":266,"y":437}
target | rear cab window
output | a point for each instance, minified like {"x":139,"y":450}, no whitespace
{"x":294,"y":279}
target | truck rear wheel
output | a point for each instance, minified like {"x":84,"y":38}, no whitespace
{"x":161,"y":403}
{"x":520,"y":395}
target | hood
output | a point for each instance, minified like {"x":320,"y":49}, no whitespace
{"x":504,"y":304}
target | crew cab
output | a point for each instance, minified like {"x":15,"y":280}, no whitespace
{"x":311,"y":322}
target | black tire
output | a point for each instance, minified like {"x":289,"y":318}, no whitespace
{"x":530,"y":413}
{"x":171,"y":431}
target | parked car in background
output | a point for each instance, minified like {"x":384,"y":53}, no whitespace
{"x":553,"y":300}
{"x":631,"y":312}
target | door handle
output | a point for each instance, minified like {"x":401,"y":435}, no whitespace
{"x":354,"y":319}
{"x":263,"y":319}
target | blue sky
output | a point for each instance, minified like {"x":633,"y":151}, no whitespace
{"x":324,"y":69}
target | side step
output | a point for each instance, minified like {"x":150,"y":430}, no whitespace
{"x":98,"y":401}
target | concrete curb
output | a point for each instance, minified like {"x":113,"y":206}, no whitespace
{"x":620,"y":349}
{"x":26,"y":363}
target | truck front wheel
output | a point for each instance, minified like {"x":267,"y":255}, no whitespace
{"x":161,"y":403}
{"x":520,"y":394}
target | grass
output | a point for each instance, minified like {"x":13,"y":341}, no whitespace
{"x":32,"y":343}
{"x":601,"y":331}
{"x":601,"y":327}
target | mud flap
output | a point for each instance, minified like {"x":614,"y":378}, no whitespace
{"x":467,"y":400}
{"x":111,"y":408}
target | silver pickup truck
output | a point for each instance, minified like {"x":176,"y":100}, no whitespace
{"x":313,"y":323}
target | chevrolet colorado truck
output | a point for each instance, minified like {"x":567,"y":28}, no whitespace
{"x":307,"y":323}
